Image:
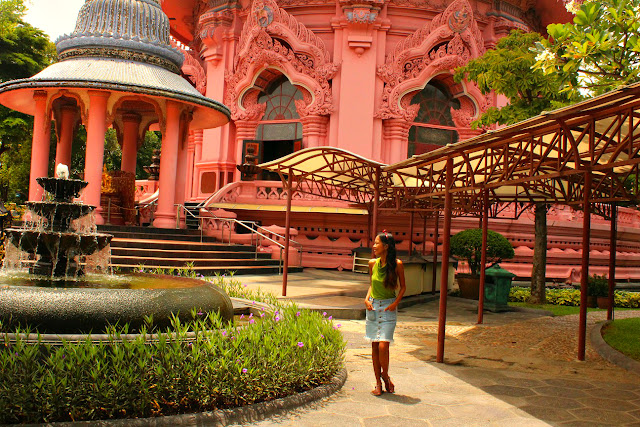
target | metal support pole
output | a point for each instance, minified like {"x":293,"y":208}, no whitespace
{"x":424,"y":234}
{"x":483,"y":256}
{"x":586,"y":244}
{"x":376,"y":202}
{"x":108,"y":210}
{"x":444,"y":273}
{"x":285,"y":268}
{"x":613,"y":240}
{"x":434,"y":272}
{"x":411,"y":233}
{"x":177,"y":216}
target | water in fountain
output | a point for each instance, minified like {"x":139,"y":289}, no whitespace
{"x":61,"y":244}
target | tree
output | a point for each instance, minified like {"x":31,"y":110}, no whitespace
{"x":598,"y":51}
{"x":507,"y":70}
{"x":24,"y":51}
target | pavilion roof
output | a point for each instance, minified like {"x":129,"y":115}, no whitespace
{"x":540,"y":159}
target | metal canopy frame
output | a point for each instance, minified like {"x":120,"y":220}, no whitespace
{"x":586,"y":155}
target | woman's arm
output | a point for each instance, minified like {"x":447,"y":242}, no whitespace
{"x":367,"y":303}
{"x":402,"y":288}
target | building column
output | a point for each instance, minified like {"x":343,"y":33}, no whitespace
{"x":63,"y":148}
{"x":181,"y":169}
{"x":396,"y":137}
{"x":314,"y":130}
{"x":131,"y":125}
{"x":165,"y":215}
{"x":245,"y":129}
{"x":94,"y":157}
{"x":40,"y":145}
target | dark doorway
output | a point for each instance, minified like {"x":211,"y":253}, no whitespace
{"x":273,"y":150}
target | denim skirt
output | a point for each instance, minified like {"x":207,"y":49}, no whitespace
{"x":380,"y":324}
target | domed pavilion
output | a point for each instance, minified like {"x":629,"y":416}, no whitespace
{"x":117,"y":68}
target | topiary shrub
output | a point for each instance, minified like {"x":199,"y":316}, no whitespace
{"x":598,"y":286}
{"x":467,"y":245}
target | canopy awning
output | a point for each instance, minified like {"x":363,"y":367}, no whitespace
{"x":281,"y":208}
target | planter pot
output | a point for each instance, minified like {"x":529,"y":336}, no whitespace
{"x":603,"y":302}
{"x":469,"y":286}
{"x":592,"y":302}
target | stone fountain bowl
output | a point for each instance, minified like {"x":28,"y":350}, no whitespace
{"x":62,"y":189}
{"x":60,"y":213}
{"x":91,"y":305}
{"x":52,"y":243}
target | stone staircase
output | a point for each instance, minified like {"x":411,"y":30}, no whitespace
{"x":133,"y":247}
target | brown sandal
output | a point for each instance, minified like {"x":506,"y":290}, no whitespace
{"x":378,"y":390}
{"x":391,"y":388}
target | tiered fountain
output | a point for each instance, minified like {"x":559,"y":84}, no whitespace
{"x":58,"y":296}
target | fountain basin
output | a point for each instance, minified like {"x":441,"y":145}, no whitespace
{"x":88,"y":306}
{"x":52,"y":243}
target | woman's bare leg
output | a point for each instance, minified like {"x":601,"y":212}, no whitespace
{"x":377,"y":370}
{"x":384,"y":365}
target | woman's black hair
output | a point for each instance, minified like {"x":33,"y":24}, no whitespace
{"x":391,"y":276}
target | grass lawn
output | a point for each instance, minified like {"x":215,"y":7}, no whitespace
{"x":557,"y":310}
{"x":624,"y":336}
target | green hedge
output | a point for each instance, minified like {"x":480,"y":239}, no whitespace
{"x":274,"y":355}
{"x":571,"y":297}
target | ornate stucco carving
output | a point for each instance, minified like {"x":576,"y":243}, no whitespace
{"x":271,"y":38}
{"x":192,"y":69}
{"x":450,"y":40}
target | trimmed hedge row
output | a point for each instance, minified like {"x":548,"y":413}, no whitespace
{"x":571,"y":297}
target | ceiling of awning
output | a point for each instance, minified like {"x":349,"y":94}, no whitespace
{"x":542,"y":159}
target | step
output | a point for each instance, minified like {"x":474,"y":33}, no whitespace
{"x":153,"y":252}
{"x":178,"y":245}
{"x":207,"y":271}
{"x":144,"y":230}
{"x":183,"y":261}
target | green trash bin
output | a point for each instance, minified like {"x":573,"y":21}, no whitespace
{"x":496,"y":288}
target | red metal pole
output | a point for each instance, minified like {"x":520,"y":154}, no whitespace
{"x":376,"y":202}
{"x":444,"y":273}
{"x":285,"y":268}
{"x":424,"y":234}
{"x":586,"y":244}
{"x":411,"y":233}
{"x":613,"y":240}
{"x":434,"y":273}
{"x":483,"y":257}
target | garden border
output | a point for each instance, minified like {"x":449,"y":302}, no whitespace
{"x":609,"y":353}
{"x":222,"y":417}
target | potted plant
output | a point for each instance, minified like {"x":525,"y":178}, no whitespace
{"x":598,"y":288}
{"x":467,"y":245}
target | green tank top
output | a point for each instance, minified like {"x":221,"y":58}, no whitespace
{"x":378,"y":290}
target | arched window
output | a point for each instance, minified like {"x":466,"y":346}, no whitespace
{"x":282,"y":119}
{"x":433,"y":126}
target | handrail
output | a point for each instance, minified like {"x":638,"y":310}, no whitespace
{"x":255,"y":229}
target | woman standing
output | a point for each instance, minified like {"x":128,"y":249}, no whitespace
{"x":386,"y":274}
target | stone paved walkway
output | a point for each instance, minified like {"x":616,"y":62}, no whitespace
{"x":518,"y":369}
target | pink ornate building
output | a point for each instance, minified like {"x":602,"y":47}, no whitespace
{"x":370,"y":76}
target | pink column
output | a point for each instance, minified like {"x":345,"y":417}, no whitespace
{"x":63,"y":149}
{"x":165,"y":216}
{"x":40,"y":145}
{"x":396,"y":135}
{"x":131,"y":125}
{"x":314,"y":130}
{"x":181,"y":170}
{"x":94,"y":157}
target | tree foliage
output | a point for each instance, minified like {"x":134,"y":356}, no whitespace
{"x":507,"y":71}
{"x":598,"y":51}
{"x":467,"y":245}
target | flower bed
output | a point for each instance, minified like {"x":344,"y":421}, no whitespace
{"x":276,"y":354}
{"x":571,"y":297}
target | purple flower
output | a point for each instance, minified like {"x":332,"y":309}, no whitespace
{"x":321,"y":336}
{"x":330,"y":317}
{"x":253,"y":302}
{"x":324,"y":313}
{"x":224,"y":333}
{"x":250,"y":315}
{"x":245,"y":286}
{"x":300,"y":344}
{"x":188,"y":344}
{"x":261,"y":314}
{"x":298,"y":314}
{"x":252,"y":321}
{"x":199,"y":313}
{"x":338,"y":325}
{"x":277,"y":318}
{"x":244,"y":370}
{"x":242,"y":316}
